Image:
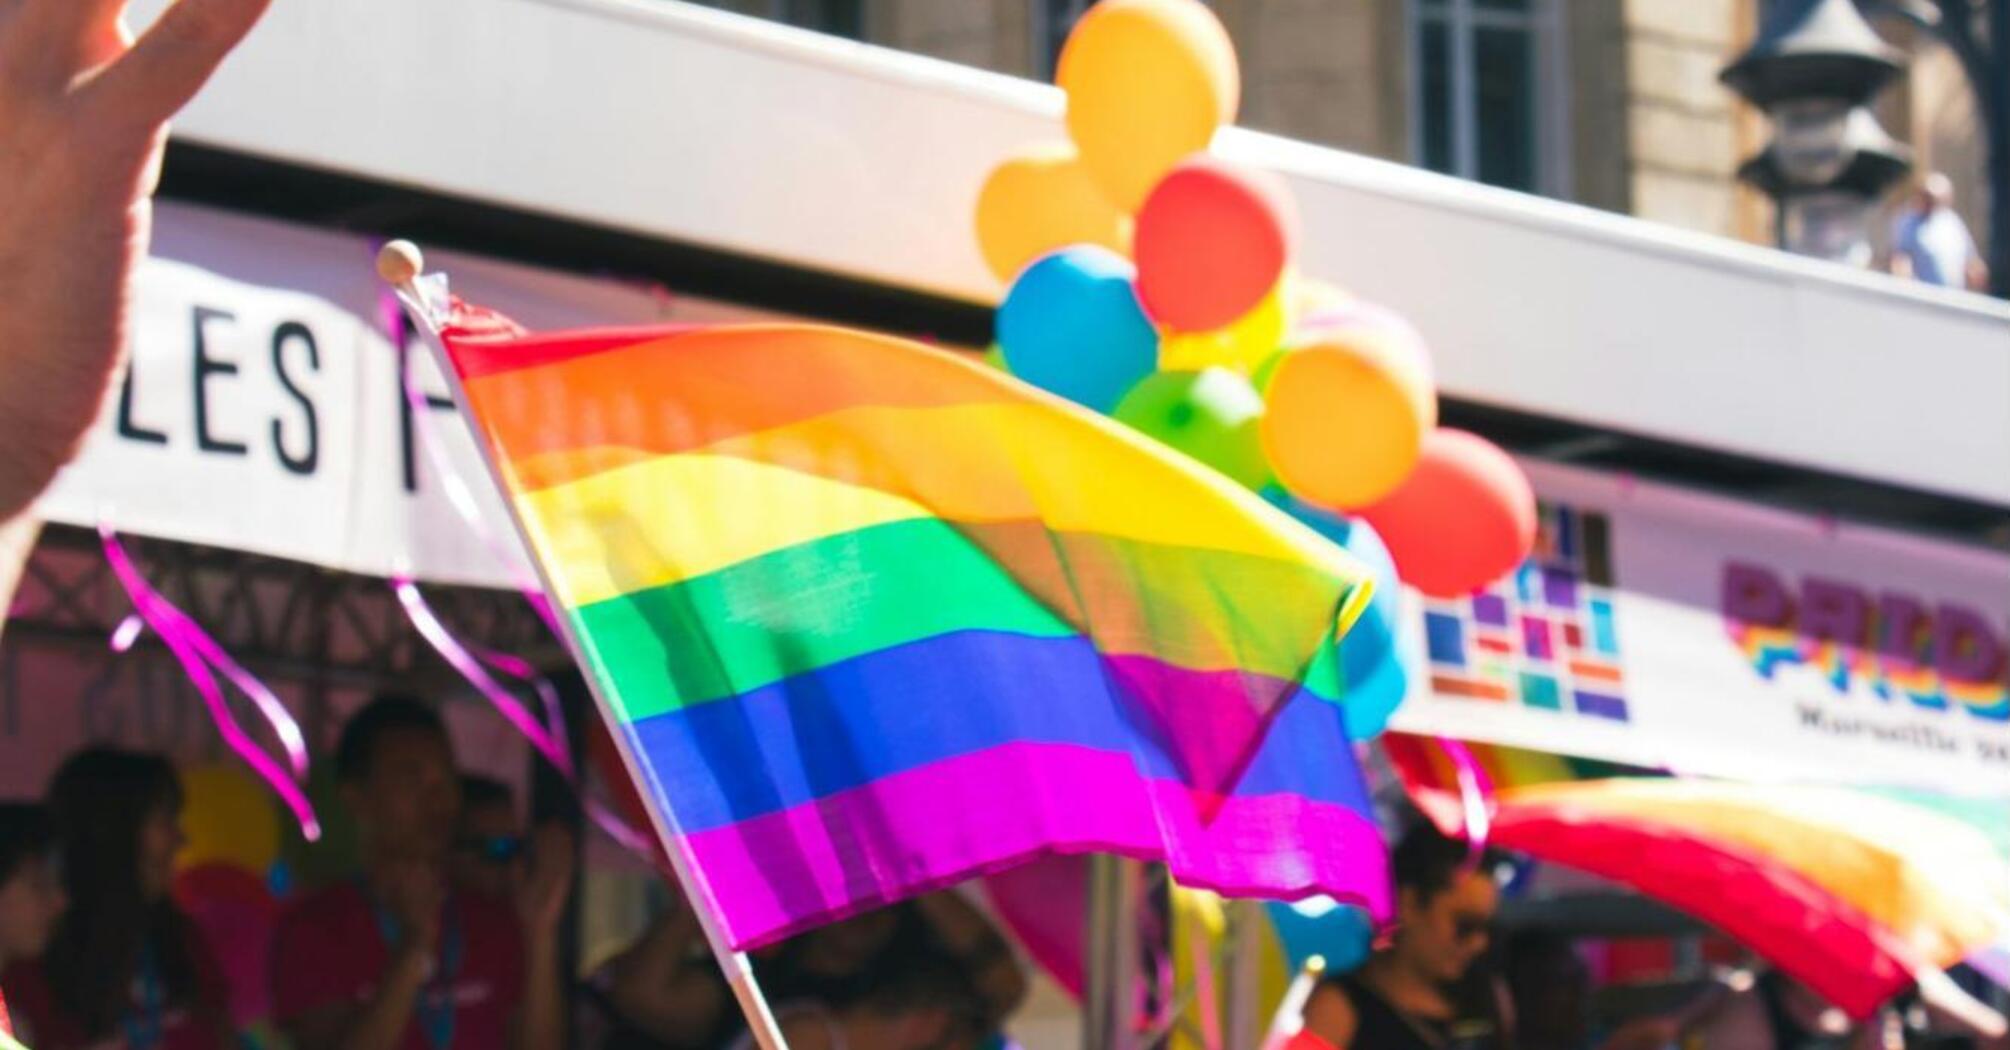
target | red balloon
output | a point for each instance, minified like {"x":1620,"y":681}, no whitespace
{"x":236,"y":914}
{"x":1211,"y":242}
{"x":1464,"y":517}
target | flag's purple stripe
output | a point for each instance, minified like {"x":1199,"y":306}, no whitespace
{"x":842,"y":726}
{"x":945,"y":822}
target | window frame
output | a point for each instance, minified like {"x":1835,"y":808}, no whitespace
{"x":1046,"y":43}
{"x":1544,"y":24}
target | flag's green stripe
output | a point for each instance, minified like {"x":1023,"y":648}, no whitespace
{"x":841,"y":597}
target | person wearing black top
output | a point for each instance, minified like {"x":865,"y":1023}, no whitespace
{"x":1402,"y":998}
{"x":665,"y":992}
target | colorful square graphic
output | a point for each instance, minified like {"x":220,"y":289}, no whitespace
{"x":1547,"y":637}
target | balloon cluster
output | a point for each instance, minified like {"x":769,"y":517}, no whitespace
{"x":1155,"y":282}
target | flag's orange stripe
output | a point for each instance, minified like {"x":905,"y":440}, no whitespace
{"x":690,"y":390}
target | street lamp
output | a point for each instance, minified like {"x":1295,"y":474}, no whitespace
{"x":1814,"y":70}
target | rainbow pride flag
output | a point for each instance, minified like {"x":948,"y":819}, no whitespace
{"x":876,"y":619}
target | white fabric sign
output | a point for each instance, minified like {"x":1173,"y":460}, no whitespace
{"x":262,"y":411}
{"x":1669,"y":629}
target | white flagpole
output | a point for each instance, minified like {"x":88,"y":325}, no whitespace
{"x":1239,"y":1020}
{"x":400,"y":265}
{"x":1110,"y":983}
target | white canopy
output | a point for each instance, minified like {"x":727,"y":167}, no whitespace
{"x":683,"y":123}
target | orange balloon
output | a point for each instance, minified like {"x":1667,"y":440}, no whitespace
{"x":1148,"y":82}
{"x":1041,"y":200}
{"x":1463,"y":519}
{"x":1348,"y":411}
{"x":1212,"y":240}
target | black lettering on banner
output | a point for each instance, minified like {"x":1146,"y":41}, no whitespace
{"x":130,"y":429}
{"x":305,"y":462}
{"x":405,"y":420}
{"x":206,"y":366}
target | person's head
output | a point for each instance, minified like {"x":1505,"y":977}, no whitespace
{"x":31,"y":897}
{"x":397,"y":773}
{"x":118,"y":828}
{"x":847,"y":946}
{"x":1445,"y":904}
{"x":918,"y":1005}
{"x":1936,"y":191}
{"x":119,"y":817}
{"x":488,"y":843}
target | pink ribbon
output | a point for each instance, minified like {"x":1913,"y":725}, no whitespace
{"x":547,"y":738}
{"x":198,"y":653}
{"x":458,"y":495}
{"x":1476,"y":792}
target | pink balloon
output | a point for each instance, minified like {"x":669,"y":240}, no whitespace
{"x":1464,"y":517}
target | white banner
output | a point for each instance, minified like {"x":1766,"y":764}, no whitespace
{"x":263,"y":413}
{"x":1669,"y":629}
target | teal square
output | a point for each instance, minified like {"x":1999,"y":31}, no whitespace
{"x":1540,"y":690}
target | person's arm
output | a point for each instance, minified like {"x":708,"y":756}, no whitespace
{"x":1329,"y":1016}
{"x":540,"y":899}
{"x":1978,"y":273}
{"x":414,"y":895}
{"x":82,"y":122}
{"x":962,"y":930}
{"x":654,"y":988}
{"x":17,"y":539}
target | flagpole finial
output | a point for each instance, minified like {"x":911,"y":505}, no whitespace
{"x":399,"y":263}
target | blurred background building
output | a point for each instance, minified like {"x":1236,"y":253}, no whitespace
{"x":1614,"y":104}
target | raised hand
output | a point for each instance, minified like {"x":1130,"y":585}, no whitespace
{"x":83,"y":115}
{"x":546,"y":880}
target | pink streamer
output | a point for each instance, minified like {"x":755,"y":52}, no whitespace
{"x":198,"y":653}
{"x":474,"y":664}
{"x":458,"y":495}
{"x":1476,"y":791}
{"x":551,"y":742}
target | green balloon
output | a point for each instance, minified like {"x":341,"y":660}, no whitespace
{"x":1260,"y":379}
{"x":1212,"y":416}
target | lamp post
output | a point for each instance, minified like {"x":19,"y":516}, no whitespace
{"x":1814,"y":69}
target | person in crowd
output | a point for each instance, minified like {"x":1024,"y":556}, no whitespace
{"x":1550,"y":989}
{"x":124,"y":966}
{"x":400,"y":957}
{"x":1780,"y":1013}
{"x":913,"y":1005}
{"x":665,"y":990}
{"x":31,"y":895}
{"x":1930,"y":242}
{"x":1403,"y":997}
{"x":82,"y":109}
{"x":488,"y":843}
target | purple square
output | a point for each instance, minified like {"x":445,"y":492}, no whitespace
{"x":1602,"y":705}
{"x":1559,"y":588}
{"x":1490,"y":609}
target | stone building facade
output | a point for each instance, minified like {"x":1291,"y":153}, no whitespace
{"x":1613,"y":104}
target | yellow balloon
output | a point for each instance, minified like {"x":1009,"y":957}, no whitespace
{"x":1042,"y":200}
{"x":1346,"y":415}
{"x":227,"y":817}
{"x":1243,"y":345}
{"x":1148,"y":82}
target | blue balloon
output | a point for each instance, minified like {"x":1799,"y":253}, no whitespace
{"x":1341,"y":933}
{"x":1378,"y":659}
{"x":1072,"y":324}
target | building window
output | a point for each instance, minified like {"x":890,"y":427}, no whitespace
{"x":1052,"y":20}
{"x":838,"y":17}
{"x":1489,"y":89}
